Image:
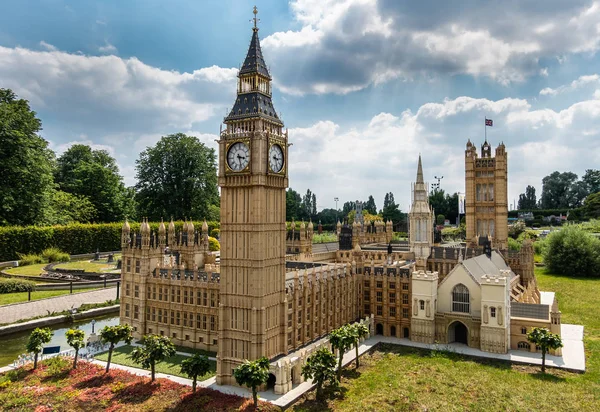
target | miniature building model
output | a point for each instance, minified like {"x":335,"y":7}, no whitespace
{"x":259,"y":301}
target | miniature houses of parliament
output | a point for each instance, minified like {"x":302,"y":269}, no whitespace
{"x":271,"y":293}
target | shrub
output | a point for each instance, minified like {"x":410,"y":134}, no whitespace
{"x":29,"y":259}
{"x":516,"y":229}
{"x":16,"y":285}
{"x":514,"y":244}
{"x":213,"y":244}
{"x":440,"y":219}
{"x":54,"y":254}
{"x":572,"y":251}
{"x":539,"y":246}
{"x":215,"y":233}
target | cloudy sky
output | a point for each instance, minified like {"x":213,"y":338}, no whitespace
{"x":364,"y":86}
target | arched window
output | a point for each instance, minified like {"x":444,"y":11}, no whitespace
{"x":523,"y":345}
{"x":460,"y":299}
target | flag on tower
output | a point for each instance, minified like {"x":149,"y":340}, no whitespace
{"x":489,"y":122}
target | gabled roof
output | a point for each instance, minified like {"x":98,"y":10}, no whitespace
{"x":482,"y":265}
{"x":254,"y":62}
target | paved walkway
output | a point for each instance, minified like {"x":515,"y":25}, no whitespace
{"x":26,"y":310}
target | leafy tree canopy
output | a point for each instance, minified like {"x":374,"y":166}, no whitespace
{"x":154,"y":349}
{"x":562,"y":190}
{"x":252,"y":374}
{"x":194,"y":366}
{"x":573,"y":252}
{"x":320,"y":367}
{"x":370,"y":206}
{"x":391,"y":210}
{"x":527,"y":200}
{"x":545,"y":340}
{"x":26,"y":163}
{"x":38,"y":338}
{"x":177,"y":178}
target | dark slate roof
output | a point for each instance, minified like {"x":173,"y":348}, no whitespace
{"x":254,"y":62}
{"x":529,"y":311}
{"x":253,"y":104}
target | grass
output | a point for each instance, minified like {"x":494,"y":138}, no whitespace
{"x":324,"y":238}
{"x":171,"y":366}
{"x":55,"y":387}
{"x":7,"y":298}
{"x":395,"y":378}
{"x":29,"y":270}
{"x":88,"y":266}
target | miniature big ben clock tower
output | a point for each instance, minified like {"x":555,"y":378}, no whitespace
{"x":253,"y":178}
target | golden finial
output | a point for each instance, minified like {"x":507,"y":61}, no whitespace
{"x":256,"y":20}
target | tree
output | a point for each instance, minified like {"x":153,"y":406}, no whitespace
{"x":545,"y":340}
{"x":591,"y":180}
{"x":38,"y":338}
{"x":26,"y":163}
{"x":572,"y":251}
{"x":114,"y":335}
{"x":440,"y":219}
{"x":75,"y":339}
{"x":66,"y":208}
{"x":320,"y":367}
{"x":527,"y":200}
{"x":358,"y":332}
{"x":370,"y":206}
{"x":341,"y":339}
{"x":591,"y":206}
{"x":293,"y":204}
{"x":154,"y":349}
{"x":347,"y":208}
{"x":95,"y":175}
{"x":307,"y":205}
{"x":437,"y":200}
{"x":391,"y":211}
{"x":194,"y":366}
{"x":177,"y":177}
{"x":561,"y":191}
{"x":252,"y":374}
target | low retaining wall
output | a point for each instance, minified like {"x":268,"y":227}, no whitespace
{"x":53,"y":320}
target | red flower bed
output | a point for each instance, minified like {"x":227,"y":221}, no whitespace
{"x":53,"y":386}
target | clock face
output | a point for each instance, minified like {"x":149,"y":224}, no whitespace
{"x":238,"y":156}
{"x":276,"y":158}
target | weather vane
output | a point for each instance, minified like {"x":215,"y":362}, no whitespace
{"x":255,"y":11}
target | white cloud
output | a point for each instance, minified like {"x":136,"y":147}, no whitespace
{"x":107,"y":48}
{"x":574,"y":85}
{"x":381,"y":154}
{"x":47,"y":46}
{"x":348,"y":45}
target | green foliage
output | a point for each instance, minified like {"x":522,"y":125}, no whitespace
{"x":73,"y":239}
{"x":357,"y":332}
{"x":177,"y":177}
{"x":516,"y":229}
{"x":591,"y":206}
{"x":528,"y":199}
{"x":514,"y":244}
{"x":54,"y":254}
{"x":16,"y":285}
{"x":213,"y":244}
{"x":440,"y":219}
{"x":324,"y":238}
{"x":572,"y":251}
{"x":38,"y":338}
{"x":75,"y":339}
{"x":30,"y":259}
{"x":320,"y":367}
{"x":391,"y":210}
{"x":545,"y":340}
{"x":562,"y":190}
{"x":370,"y":206}
{"x":252,"y":374}
{"x":113,"y":335}
{"x":26,"y":163}
{"x":194,"y":366}
{"x":215,"y":233}
{"x":155,"y":349}
{"x":539,"y":246}
{"x":66,"y":208}
{"x":341,"y":339}
{"x":445,"y":204}
{"x":455,"y":233}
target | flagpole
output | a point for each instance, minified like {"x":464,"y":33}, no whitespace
{"x":485,"y":127}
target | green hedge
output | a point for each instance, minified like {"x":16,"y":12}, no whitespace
{"x":73,"y":239}
{"x":16,"y":285}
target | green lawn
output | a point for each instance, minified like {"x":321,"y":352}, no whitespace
{"x":29,"y":270}
{"x":7,"y":298}
{"x":88,"y":266}
{"x":172,"y":366}
{"x":394,"y":378}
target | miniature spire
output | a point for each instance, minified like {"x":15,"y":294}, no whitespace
{"x":204,"y":226}
{"x":420,"y":171}
{"x":255,"y":11}
{"x":161,"y":227}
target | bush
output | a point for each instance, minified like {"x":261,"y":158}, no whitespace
{"x":29,"y":259}
{"x":514,"y":244}
{"x":539,"y":246}
{"x":215,"y":233}
{"x":213,"y":244}
{"x":515,"y":230}
{"x":573,"y":252}
{"x":16,"y":285}
{"x":440,"y":219}
{"x":53,"y":254}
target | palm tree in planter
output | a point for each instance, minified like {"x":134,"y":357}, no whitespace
{"x":252,"y":374}
{"x":75,"y":339}
{"x":154,"y":349}
{"x":341,"y":339}
{"x":194,"y":366}
{"x":38,"y":338}
{"x":114,"y":335}
{"x":320,"y":367}
{"x":545,"y":340}
{"x":358,"y":332}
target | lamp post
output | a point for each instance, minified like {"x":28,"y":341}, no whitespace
{"x":437,"y":186}
{"x":93,"y":323}
{"x":336,"y":199}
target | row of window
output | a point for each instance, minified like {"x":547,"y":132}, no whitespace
{"x":177,"y":318}
{"x":391,"y":297}
{"x":186,"y":337}
{"x":392,"y":311}
{"x":390,"y":285}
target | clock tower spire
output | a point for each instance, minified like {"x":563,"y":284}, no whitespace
{"x":253,"y":178}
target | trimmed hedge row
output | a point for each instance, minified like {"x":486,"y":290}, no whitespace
{"x":73,"y":239}
{"x":16,"y":285}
